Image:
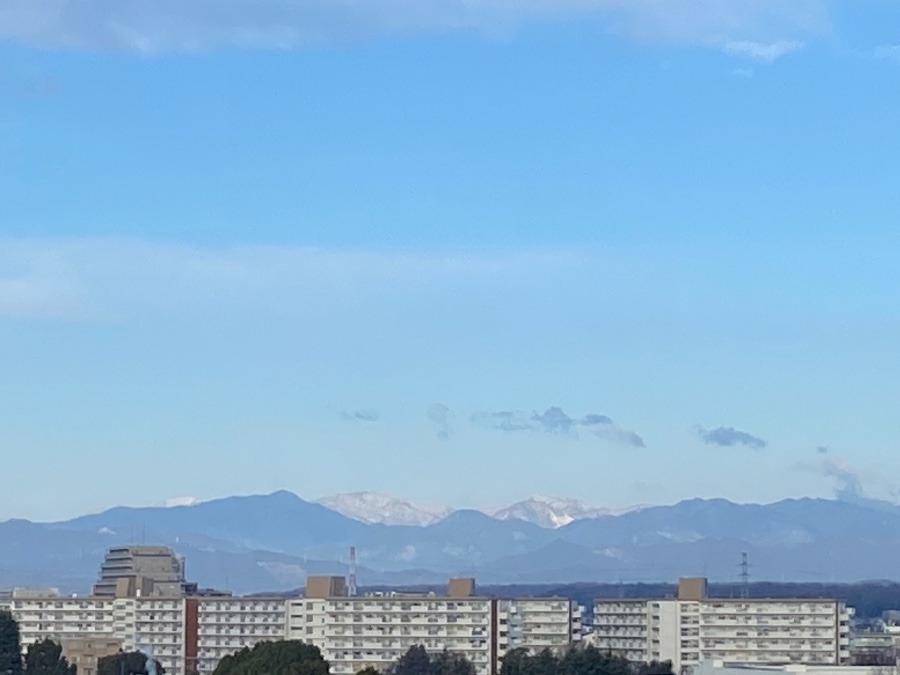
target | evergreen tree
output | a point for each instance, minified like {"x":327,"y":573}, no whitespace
{"x":592,"y":661}
{"x":447,"y":663}
{"x":10,"y":645}
{"x":126,"y":663}
{"x":415,"y":661}
{"x":284,"y":657}
{"x":46,"y":658}
{"x":655,"y":668}
{"x":516,"y":662}
{"x":545,"y":663}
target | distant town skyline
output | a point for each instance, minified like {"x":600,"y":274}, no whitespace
{"x":461,"y":254}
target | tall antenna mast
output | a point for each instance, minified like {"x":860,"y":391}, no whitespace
{"x":745,"y":576}
{"x":351,"y":581}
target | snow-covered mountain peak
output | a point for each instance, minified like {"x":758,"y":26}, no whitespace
{"x":377,"y":507}
{"x":554,"y":512}
{"x":180,"y":501}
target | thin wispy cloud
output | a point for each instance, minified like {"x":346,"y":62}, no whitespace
{"x":848,"y":484}
{"x":620,"y":436}
{"x":594,"y":419}
{"x":869,"y":486}
{"x":848,"y":480}
{"x":14,"y":86}
{"x":727,"y":437}
{"x":439,"y":415}
{"x":110,"y":279}
{"x":767,"y":52}
{"x":198,"y":25}
{"x":361,"y":415}
{"x":504,"y":420}
{"x":554,"y":420}
{"x":886,"y":53}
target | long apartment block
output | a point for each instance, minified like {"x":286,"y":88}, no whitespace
{"x":195,"y":633}
{"x":375,"y":630}
{"x":693,"y":627}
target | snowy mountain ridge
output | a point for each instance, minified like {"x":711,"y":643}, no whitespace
{"x":377,"y":507}
{"x":554,"y":512}
{"x":541,"y":510}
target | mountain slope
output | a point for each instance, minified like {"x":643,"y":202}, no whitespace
{"x":790,"y":522}
{"x":281,"y":522}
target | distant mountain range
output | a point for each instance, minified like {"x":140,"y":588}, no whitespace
{"x":271,"y":542}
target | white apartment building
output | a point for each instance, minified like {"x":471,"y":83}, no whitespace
{"x":376,"y":630}
{"x":194,"y":633}
{"x":45,"y":613}
{"x":353,"y":633}
{"x":153,"y":625}
{"x":536,"y":624}
{"x":227,"y":625}
{"x":693,"y":628}
{"x":181,"y":633}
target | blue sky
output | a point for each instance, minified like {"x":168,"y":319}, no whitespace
{"x":460,"y":252}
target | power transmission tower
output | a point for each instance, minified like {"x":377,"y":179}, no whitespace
{"x":745,"y":576}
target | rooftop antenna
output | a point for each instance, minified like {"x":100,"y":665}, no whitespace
{"x":745,"y":576}
{"x":351,"y":581}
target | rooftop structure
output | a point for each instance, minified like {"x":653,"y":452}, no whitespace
{"x":141,"y":571}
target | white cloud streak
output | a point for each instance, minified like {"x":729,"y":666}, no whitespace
{"x":887,"y":53}
{"x":767,"y":52}
{"x":200,"y":25}
{"x":115,"y":278}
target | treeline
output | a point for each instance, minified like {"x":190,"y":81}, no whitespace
{"x":289,"y":657}
{"x":577,"y":661}
{"x":46,"y":657}
{"x":292,"y":657}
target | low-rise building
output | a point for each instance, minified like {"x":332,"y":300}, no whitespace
{"x":85,"y":653}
